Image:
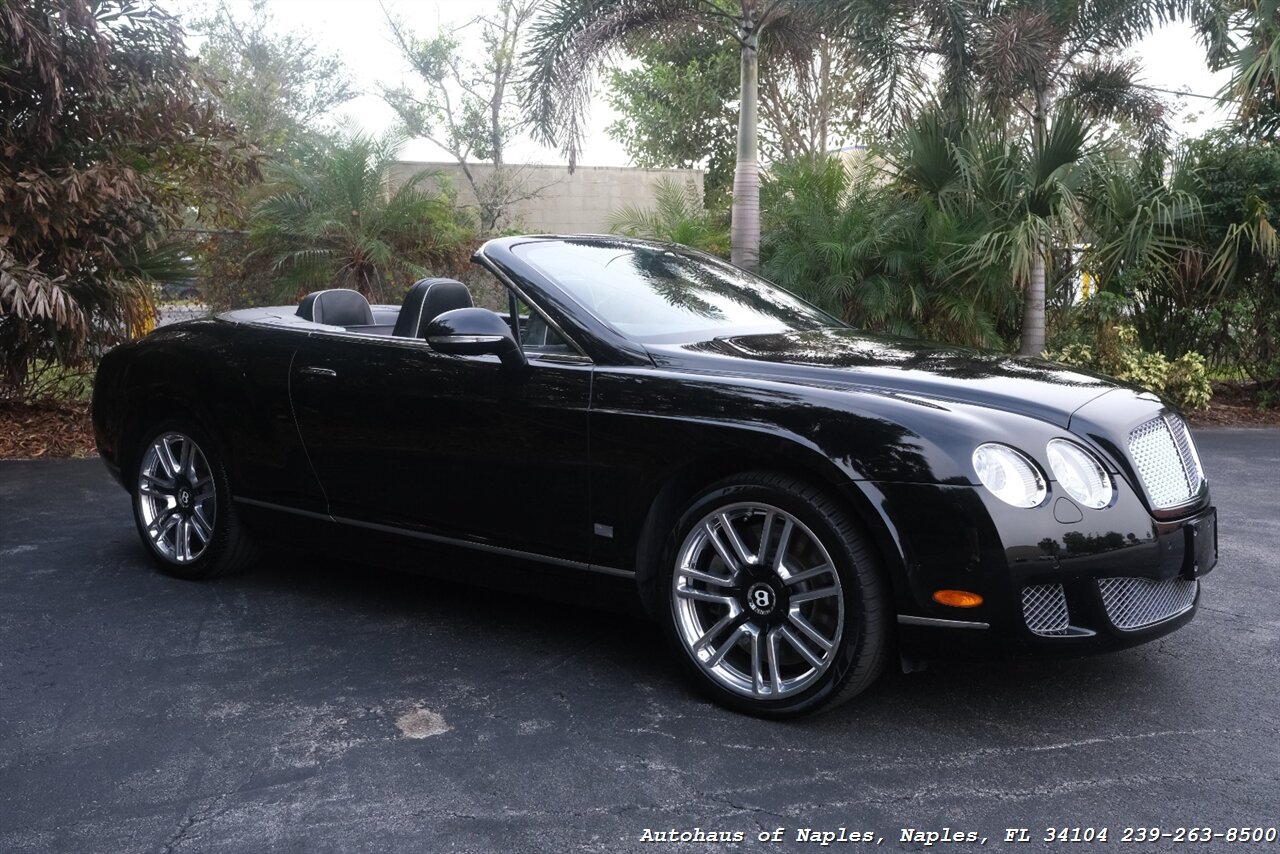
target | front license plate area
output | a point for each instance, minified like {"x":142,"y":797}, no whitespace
{"x":1202,"y":544}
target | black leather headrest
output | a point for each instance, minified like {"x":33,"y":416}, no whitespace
{"x":427,"y":299}
{"x":336,"y":307}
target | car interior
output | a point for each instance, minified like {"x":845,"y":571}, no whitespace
{"x":425,"y":300}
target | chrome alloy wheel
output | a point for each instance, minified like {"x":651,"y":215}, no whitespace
{"x":176,"y":499}
{"x":757,"y":600}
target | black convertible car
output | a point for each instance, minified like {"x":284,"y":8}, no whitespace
{"x":796,"y":501}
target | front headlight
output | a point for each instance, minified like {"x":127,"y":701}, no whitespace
{"x":1079,"y":473}
{"x":1009,"y":475}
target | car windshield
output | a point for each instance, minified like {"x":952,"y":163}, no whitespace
{"x":657,"y":294}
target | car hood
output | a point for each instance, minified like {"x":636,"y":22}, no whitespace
{"x":847,"y":358}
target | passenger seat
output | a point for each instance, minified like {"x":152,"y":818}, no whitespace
{"x":336,"y":307}
{"x":427,"y":300}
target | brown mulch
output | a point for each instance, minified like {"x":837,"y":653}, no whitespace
{"x":1235,"y":404}
{"x":45,"y":430}
{"x":54,"y":430}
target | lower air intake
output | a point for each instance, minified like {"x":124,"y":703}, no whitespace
{"x":1135,"y":603}
{"x":1044,"y":606}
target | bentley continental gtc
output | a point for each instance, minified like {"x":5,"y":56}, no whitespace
{"x":796,"y":501}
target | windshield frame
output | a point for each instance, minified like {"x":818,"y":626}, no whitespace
{"x":623,"y":244}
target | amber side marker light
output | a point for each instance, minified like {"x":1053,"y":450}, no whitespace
{"x":957,"y":598}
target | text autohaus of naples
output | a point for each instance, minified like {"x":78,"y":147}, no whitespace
{"x":820,"y":837}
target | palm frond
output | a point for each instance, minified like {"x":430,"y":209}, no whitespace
{"x":677,"y":217}
{"x":340,"y":222}
{"x":568,"y":43}
{"x":1100,"y":26}
{"x":165,"y":262}
{"x":1136,"y":222}
{"x":1256,"y":234}
{"x":1107,"y":88}
{"x":1013,"y":50}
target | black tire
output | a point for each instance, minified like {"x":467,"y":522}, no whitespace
{"x":858,"y":634}
{"x":228,"y":548}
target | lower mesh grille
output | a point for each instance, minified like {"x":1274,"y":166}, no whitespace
{"x":1134,"y":603}
{"x":1044,"y":606}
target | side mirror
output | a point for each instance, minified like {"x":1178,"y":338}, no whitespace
{"x":474,"y":332}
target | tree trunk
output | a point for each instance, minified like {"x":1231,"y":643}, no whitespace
{"x":824,"y":95}
{"x":1032,"y":343}
{"x":1033,"y":310}
{"x":745,"y":229}
{"x":501,"y":69}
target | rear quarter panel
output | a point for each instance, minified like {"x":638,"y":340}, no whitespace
{"x":232,"y":379}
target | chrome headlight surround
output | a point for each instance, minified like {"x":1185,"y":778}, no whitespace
{"x":1081,"y":474}
{"x":1009,"y":475}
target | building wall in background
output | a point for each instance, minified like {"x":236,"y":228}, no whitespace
{"x":580,"y":203}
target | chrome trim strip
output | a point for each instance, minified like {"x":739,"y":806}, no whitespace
{"x":557,"y":358}
{"x":908,"y":620}
{"x":464,"y":339}
{"x":438,"y":538}
{"x":310,"y":514}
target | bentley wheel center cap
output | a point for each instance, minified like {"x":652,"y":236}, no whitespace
{"x":761,"y":599}
{"x":184,"y":499}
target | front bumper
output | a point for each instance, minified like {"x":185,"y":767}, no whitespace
{"x":1053,"y":579}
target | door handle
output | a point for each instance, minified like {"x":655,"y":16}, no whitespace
{"x":313,"y":371}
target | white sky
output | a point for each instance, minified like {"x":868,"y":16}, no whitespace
{"x":356,"y":30}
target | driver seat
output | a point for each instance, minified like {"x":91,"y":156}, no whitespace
{"x":427,"y":300}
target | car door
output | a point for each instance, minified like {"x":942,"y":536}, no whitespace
{"x":450,"y":446}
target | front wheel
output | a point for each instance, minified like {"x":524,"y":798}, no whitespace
{"x":774,"y":598}
{"x":182,"y":505}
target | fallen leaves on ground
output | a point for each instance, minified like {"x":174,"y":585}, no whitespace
{"x":45,"y":430}
{"x":1235,"y":404}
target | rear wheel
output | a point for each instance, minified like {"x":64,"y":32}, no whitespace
{"x":773,"y":597}
{"x":182,"y":505}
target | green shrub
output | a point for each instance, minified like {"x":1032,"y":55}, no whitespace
{"x":1188,"y":381}
{"x":1184,"y":380}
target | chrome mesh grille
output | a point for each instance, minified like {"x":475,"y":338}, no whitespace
{"x":1186,"y":452}
{"x":1134,"y":603}
{"x":1044,"y":606}
{"x":1166,"y":461}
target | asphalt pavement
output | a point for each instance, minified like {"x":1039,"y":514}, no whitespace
{"x":310,"y":706}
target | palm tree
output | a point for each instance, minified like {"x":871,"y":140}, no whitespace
{"x":1017,"y":59}
{"x":338,"y":224}
{"x":1144,"y":223}
{"x":1255,"y":59}
{"x":885,"y":247}
{"x":572,"y":38}
{"x":1034,"y":182}
{"x":678,"y":216}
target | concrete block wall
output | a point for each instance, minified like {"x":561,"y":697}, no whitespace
{"x":564,"y":203}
